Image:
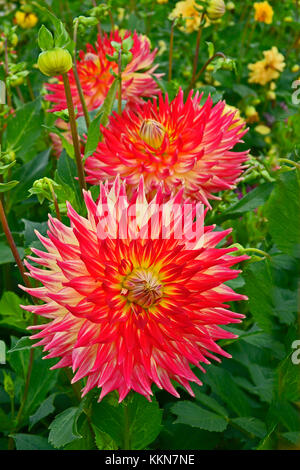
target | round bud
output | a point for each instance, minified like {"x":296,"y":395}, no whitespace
{"x":55,"y":61}
{"x":215,"y":9}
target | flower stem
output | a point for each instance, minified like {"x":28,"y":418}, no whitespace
{"x":256,"y":250}
{"x":196,"y":56}
{"x":30,"y":90}
{"x":290,"y":162}
{"x":171,"y":50}
{"x":74,"y":132}
{"x":12,"y":245}
{"x":6,"y":69}
{"x":120,"y":82}
{"x":127,"y":445}
{"x":76,"y":76}
{"x":54,"y":200}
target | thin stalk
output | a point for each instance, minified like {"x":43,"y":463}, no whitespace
{"x":30,"y":90}
{"x":217,"y":54}
{"x":99,"y":24}
{"x":120,"y":82}
{"x":20,"y":95}
{"x":111,"y":20}
{"x":81,"y":177}
{"x":256,"y":250}
{"x":54,"y":200}
{"x":76,"y":76}
{"x":196,"y":56}
{"x":127,"y":445}
{"x":171,"y":50}
{"x":12,"y":245}
{"x":290,"y":162}
{"x":6,"y":68}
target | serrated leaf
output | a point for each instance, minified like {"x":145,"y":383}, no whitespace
{"x":283,"y":212}
{"x":251,"y":425}
{"x":251,"y":201}
{"x":21,"y":344}
{"x":45,"y":409}
{"x":31,"y":442}
{"x":23,"y":129}
{"x":63,"y":428}
{"x":138,"y":424}
{"x":259,"y":288}
{"x":194,"y":415}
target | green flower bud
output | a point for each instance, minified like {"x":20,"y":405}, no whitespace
{"x":215,"y":9}
{"x":55,"y":61}
{"x":9,"y":385}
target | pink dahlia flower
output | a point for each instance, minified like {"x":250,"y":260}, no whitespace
{"x":96,"y":78}
{"x":132,"y":298}
{"x":178,"y":144}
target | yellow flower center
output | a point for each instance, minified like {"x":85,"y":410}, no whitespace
{"x":142,"y":287}
{"x":152,"y":132}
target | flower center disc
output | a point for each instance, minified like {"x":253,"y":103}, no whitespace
{"x":152,"y":132}
{"x":142,"y":287}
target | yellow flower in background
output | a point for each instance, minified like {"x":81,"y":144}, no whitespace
{"x":162,"y":47}
{"x":263,"y":12}
{"x":268,"y":69}
{"x":191,"y":12}
{"x":251,"y":114}
{"x":162,"y":1}
{"x":25,"y":20}
{"x":262,"y":129}
{"x":237,"y":120}
{"x":295,"y":68}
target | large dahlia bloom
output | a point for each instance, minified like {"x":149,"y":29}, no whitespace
{"x":132,"y":297}
{"x":95,"y":76}
{"x":178,"y":144}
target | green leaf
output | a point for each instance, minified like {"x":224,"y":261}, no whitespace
{"x":194,"y":415}
{"x":93,"y":137}
{"x":45,"y":409}
{"x":11,"y":313}
{"x":135,"y":424}
{"x":6,"y":255}
{"x":30,"y":237}
{"x":23,"y":129}
{"x":7,"y":186}
{"x":45,"y":39}
{"x":259,"y":288}
{"x":31,"y":442}
{"x":251,"y":425}
{"x":223,"y":384}
{"x":21,"y":344}
{"x":63,"y":428}
{"x":283,"y":212}
{"x":293,"y":437}
{"x":67,"y":172}
{"x":251,"y":201}
{"x":108,"y":104}
{"x":103,"y":441}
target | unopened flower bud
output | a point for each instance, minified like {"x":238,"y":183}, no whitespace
{"x":230,"y":6}
{"x":55,"y":61}
{"x":215,"y":9}
{"x":152,"y":132}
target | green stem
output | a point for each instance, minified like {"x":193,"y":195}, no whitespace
{"x":171,"y":50}
{"x":30,"y":90}
{"x":196,"y":56}
{"x":54,"y":200}
{"x":127,"y":444}
{"x":6,"y":69}
{"x":77,"y":80}
{"x":120,"y":82}
{"x":81,"y":177}
{"x":256,"y":250}
{"x":290,"y":162}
